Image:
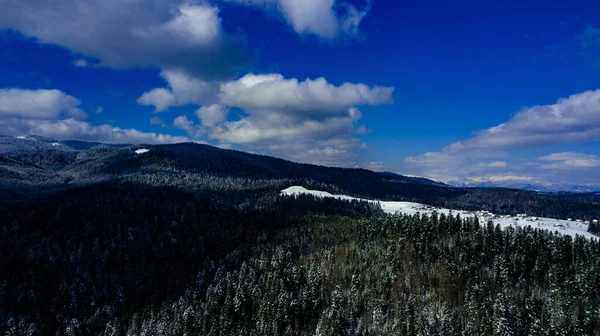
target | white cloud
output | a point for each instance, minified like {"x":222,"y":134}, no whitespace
{"x":171,"y":34}
{"x":182,"y":122}
{"x":569,"y":120}
{"x":69,"y":129}
{"x":212,"y":115}
{"x":344,"y":151}
{"x":573,"y":119}
{"x":257,"y":131}
{"x":320,"y":118}
{"x":160,"y":98}
{"x":324,"y":18}
{"x":38,"y":104}
{"x":316,"y":98}
{"x":99,"y":110}
{"x":310,"y":121}
{"x":328,"y":142}
{"x":182,"y":90}
{"x":54,"y":114}
{"x":271,"y":92}
{"x":569,"y":160}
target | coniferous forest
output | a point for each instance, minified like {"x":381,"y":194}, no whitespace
{"x":161,"y":248}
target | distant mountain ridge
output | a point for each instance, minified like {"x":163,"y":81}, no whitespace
{"x":31,"y":166}
{"x":515,"y":184}
{"x":417,"y":179}
{"x":49,"y":163}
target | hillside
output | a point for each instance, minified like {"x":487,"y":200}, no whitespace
{"x":34,"y":166}
{"x":100,"y":239}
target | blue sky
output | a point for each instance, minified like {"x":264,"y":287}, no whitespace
{"x":469,"y":92}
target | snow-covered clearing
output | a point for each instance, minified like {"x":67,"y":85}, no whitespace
{"x":142,"y":151}
{"x":571,"y":228}
{"x":25,"y":137}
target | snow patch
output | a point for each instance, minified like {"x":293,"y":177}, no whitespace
{"x":25,"y":137}
{"x":566,"y":227}
{"x":142,"y":151}
{"x":55,"y":144}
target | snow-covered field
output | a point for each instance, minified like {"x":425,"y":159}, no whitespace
{"x":561,"y":226}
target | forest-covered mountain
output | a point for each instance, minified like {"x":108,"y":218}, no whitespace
{"x":189,"y":239}
{"x":33,"y":165}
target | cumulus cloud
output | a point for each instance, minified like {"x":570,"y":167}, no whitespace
{"x":183,"y":123}
{"x":324,"y":18}
{"x":198,"y":58}
{"x":262,"y":132}
{"x":310,"y":120}
{"x":212,"y":115}
{"x":38,"y":104}
{"x":68,"y":129}
{"x":270,"y":92}
{"x":171,"y":34}
{"x":182,"y":90}
{"x":316,"y":98}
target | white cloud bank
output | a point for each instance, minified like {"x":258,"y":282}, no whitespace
{"x":569,"y":160}
{"x":573,"y":119}
{"x":71,"y":129}
{"x":37,"y":104}
{"x":55,"y":114}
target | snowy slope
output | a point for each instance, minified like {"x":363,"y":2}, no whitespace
{"x":571,"y":228}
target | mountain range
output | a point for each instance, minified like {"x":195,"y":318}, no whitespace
{"x":100,"y":239}
{"x":33,"y":165}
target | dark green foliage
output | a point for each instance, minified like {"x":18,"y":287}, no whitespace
{"x":193,"y":240}
{"x":512,"y":201}
{"x":124,"y":259}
